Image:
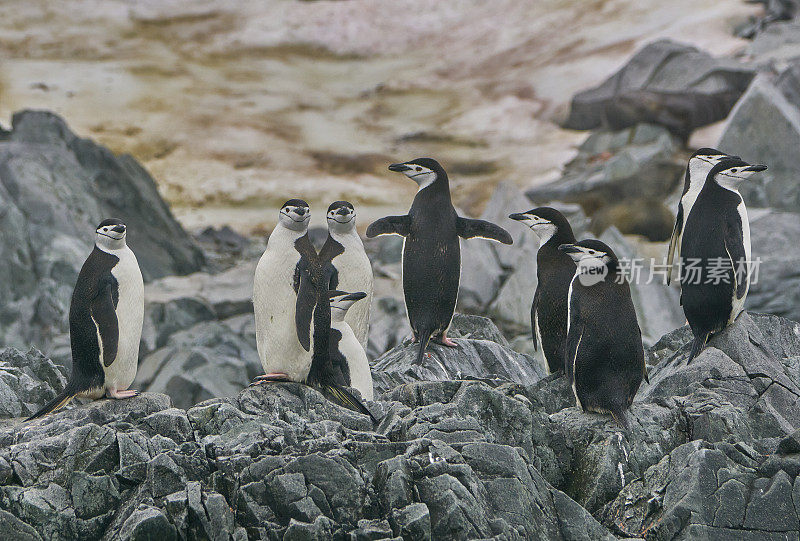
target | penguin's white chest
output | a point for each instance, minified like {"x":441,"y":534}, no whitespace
{"x":355,"y":274}
{"x":357,"y":362}
{"x":130,"y":315}
{"x":737,"y":304}
{"x":275,"y":306}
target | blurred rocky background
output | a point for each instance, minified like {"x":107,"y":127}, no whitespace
{"x":194,"y":121}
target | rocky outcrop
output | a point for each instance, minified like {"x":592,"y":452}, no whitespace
{"x":621,"y":178}
{"x":54,"y":189}
{"x":712,"y":451}
{"x":482,"y":353}
{"x":666,"y":83}
{"x":775,"y":288}
{"x":764,"y":127}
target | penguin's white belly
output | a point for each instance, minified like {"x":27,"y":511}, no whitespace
{"x":738,"y":304}
{"x":355,"y":274}
{"x":130,"y":315}
{"x":357,"y":362}
{"x":275,"y":305}
{"x":538,"y":337}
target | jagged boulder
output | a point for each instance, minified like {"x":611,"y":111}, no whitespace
{"x":621,"y":178}
{"x":55,"y":187}
{"x":764,"y":127}
{"x":775,"y":289}
{"x":666,"y":83}
{"x":482,"y":353}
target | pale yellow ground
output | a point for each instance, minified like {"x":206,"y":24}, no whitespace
{"x":236,"y":106}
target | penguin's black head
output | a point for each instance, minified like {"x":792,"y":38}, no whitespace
{"x":703,"y":160}
{"x":295,"y":215}
{"x":423,"y":171}
{"x":590,"y":249}
{"x":341,"y":213}
{"x":732,"y":172}
{"x":111,"y":228}
{"x":341,"y":301}
{"x":544,"y":221}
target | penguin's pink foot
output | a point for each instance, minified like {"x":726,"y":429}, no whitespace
{"x":119,"y":394}
{"x":445,"y":341}
{"x":269,"y":378}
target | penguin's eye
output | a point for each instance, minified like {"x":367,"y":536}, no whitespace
{"x":418,"y":168}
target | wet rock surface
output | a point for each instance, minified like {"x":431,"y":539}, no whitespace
{"x":712,"y":451}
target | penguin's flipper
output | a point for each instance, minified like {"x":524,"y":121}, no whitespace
{"x":735,"y":248}
{"x":674,"y":242}
{"x":103,"y":310}
{"x":304,"y":309}
{"x":468,"y":228}
{"x":390,"y":225}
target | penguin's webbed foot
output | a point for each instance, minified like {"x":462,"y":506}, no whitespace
{"x":120,"y":394}
{"x":271,"y":378}
{"x":444,"y":341}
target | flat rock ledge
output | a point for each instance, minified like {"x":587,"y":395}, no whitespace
{"x":712,"y":452}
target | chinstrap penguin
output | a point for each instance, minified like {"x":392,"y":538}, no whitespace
{"x":604,"y":352}
{"x":716,"y":253}
{"x":105,"y":320}
{"x":345,"y":349}
{"x":328,"y":372}
{"x":283,"y":355}
{"x":697,"y":169}
{"x":554,"y":271}
{"x":431,"y":251}
{"x":353,"y":266}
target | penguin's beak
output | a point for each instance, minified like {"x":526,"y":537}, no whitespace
{"x":756,"y":168}
{"x":399,"y":167}
{"x":118,"y":229}
{"x":355,"y":296}
{"x":519,"y":216}
{"x":569,"y":249}
{"x":344,"y":211}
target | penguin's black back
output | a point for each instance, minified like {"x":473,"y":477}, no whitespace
{"x":87,"y":370}
{"x":554,"y":270}
{"x":609,"y":366}
{"x":431,"y":261}
{"x":707,"y":305}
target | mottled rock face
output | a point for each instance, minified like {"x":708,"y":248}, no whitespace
{"x":765,"y":127}
{"x":54,"y":189}
{"x":712,"y":452}
{"x":666,"y":83}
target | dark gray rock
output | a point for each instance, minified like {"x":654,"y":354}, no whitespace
{"x":27,"y":382}
{"x":775,"y":289}
{"x":205,"y":361}
{"x":54,"y":189}
{"x":388,"y":325}
{"x":667,"y":83}
{"x":447,"y":459}
{"x":764,"y":127}
{"x":474,"y":358}
{"x":613,"y":166}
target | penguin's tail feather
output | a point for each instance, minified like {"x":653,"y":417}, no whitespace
{"x":619,"y":416}
{"x":339,"y":395}
{"x":424,"y":338}
{"x":61,"y":400}
{"x":697,"y":345}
